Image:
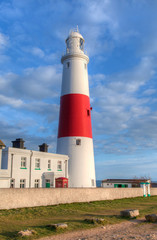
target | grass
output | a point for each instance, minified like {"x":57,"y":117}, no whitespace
{"x":37,"y":218}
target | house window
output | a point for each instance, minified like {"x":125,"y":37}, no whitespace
{"x":12,"y":183}
{"x":37,"y":163}
{"x":49,"y":164}
{"x":59,"y":166}
{"x":68,"y":64}
{"x":78,"y":142}
{"x":23,"y":162}
{"x":22,"y":183}
{"x":36,"y":183}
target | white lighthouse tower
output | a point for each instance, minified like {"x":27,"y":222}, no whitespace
{"x":75,"y":130}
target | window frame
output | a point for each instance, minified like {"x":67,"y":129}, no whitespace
{"x":92,"y":182}
{"x":49,"y":164}
{"x":36,"y":183}
{"x":22,"y":183}
{"x":78,"y":142}
{"x":88,"y":112}
{"x":12,"y":183}
{"x":37,"y":163}
{"x":59,"y":165}
{"x":23,"y":163}
{"x":67,"y":64}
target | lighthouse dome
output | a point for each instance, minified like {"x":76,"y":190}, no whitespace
{"x":74,"y":43}
{"x":74,"y":34}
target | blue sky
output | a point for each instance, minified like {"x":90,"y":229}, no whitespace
{"x":121,"y":42}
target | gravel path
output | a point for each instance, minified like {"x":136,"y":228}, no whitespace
{"x":135,"y":229}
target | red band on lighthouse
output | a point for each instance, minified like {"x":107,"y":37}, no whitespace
{"x":75,"y":116}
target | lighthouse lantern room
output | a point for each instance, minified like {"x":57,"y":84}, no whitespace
{"x":75,"y":130}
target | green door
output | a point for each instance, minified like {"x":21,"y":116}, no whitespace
{"x":47,"y":185}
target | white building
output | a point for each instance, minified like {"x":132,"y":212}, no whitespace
{"x":123,"y":183}
{"x":22,"y":168}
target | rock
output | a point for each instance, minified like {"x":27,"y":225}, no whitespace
{"x":27,"y":233}
{"x":89,"y":220}
{"x":58,"y":226}
{"x":100,"y":220}
{"x":95,"y":220}
{"x":131,"y":213}
{"x":151,"y":218}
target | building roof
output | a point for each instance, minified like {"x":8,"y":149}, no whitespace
{"x":125,"y":180}
{"x":2,"y":144}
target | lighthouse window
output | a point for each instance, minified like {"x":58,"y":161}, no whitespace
{"x":85,"y":66}
{"x":88,"y":112}
{"x":68,"y":64}
{"x":78,"y":142}
{"x":93,"y":182}
{"x":81,"y":44}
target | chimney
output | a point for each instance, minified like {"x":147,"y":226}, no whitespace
{"x":2,"y":145}
{"x":43,"y":147}
{"x":18,"y":143}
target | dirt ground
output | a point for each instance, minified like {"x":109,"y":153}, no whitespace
{"x":133,"y":229}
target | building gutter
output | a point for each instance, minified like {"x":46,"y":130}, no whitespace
{"x":11,"y":173}
{"x":30,"y":169}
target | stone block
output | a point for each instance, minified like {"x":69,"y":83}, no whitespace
{"x":58,"y":226}
{"x":26,"y":233}
{"x":151,"y":218}
{"x":130,"y":213}
{"x":95,"y":220}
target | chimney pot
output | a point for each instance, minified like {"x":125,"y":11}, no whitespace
{"x":18,"y":143}
{"x":43,"y":147}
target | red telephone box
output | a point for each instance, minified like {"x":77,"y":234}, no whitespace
{"x":61,"y":182}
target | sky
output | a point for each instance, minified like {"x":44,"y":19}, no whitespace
{"x":121,"y":42}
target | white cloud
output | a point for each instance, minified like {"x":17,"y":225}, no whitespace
{"x":149,"y":91}
{"x":122,"y":116}
{"x":4,"y":41}
{"x":38,"y":52}
{"x":34,"y":83}
{"x":10,"y":101}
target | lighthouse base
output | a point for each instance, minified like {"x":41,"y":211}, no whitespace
{"x":81,"y":160}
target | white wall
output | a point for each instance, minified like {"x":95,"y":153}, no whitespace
{"x":18,"y":198}
{"x":4,"y":178}
{"x":81,"y":160}
{"x":75,"y":78}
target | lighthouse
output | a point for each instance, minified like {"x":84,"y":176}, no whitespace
{"x":75,"y":129}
